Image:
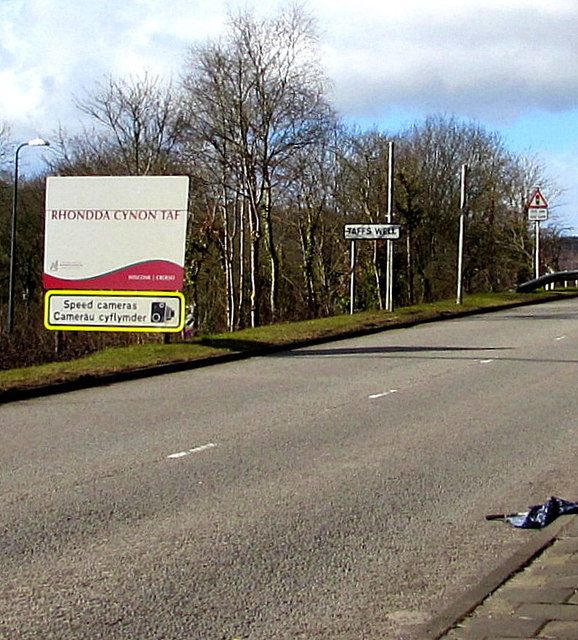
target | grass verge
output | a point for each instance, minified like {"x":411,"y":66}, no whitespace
{"x":143,"y":357}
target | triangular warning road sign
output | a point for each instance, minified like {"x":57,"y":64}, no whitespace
{"x":537,"y":201}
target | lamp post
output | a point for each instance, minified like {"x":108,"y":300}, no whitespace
{"x":35,"y":142}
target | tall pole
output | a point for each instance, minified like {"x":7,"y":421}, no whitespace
{"x":389,"y":245}
{"x":36,"y":142}
{"x":12,"y":276}
{"x":464,"y":173}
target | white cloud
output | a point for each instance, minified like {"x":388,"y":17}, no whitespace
{"x":481,"y":58}
{"x":390,"y":62}
{"x":54,"y":49}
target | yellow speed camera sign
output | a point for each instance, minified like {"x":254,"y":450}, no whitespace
{"x":150,"y":311}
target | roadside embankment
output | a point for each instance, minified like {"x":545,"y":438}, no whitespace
{"x":124,"y":363}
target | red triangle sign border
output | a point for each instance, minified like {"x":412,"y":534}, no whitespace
{"x":537,"y":201}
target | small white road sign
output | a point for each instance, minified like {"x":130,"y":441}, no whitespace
{"x":537,"y":207}
{"x":372,"y":231}
{"x":537,"y":214}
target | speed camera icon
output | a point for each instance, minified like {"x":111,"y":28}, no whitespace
{"x":161,"y":312}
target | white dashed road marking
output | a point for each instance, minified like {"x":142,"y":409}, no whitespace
{"x":182,"y":454}
{"x":382,"y":395}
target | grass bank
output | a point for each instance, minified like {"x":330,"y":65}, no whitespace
{"x":139,"y":359}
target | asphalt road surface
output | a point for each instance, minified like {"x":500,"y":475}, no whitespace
{"x":336,"y":492}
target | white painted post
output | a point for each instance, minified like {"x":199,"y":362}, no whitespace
{"x":389,"y":242}
{"x":459,"y":296}
{"x":537,"y":248}
{"x":352,"y":277}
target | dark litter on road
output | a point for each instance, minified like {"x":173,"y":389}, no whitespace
{"x":540,"y":515}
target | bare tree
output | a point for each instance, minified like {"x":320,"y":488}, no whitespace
{"x":135,"y":128}
{"x":429,"y":162}
{"x":313,"y":243}
{"x":256,"y":98}
{"x":363,"y":197}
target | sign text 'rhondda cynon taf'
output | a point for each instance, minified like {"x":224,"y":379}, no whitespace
{"x":118,"y":216}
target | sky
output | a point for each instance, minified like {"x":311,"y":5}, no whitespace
{"x":508,"y":65}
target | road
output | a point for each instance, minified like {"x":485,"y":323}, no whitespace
{"x":336,"y":492}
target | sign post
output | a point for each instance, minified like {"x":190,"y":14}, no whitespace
{"x":461,"y":234}
{"x":355,"y":232}
{"x":352,"y":247}
{"x":389,"y":244}
{"x":537,"y":211}
{"x":115,"y":244}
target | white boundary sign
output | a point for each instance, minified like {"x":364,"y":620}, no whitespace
{"x":150,"y":311}
{"x":115,"y":233}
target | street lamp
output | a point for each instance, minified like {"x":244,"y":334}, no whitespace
{"x":35,"y":142}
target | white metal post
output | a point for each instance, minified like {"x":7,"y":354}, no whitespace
{"x":459,"y":296}
{"x":389,"y":243}
{"x":352,"y":277}
{"x":537,"y":252}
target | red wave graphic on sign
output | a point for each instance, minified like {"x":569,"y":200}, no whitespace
{"x":156,"y":275}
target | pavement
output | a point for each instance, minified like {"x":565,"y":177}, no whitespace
{"x":534,"y":594}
